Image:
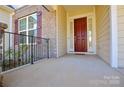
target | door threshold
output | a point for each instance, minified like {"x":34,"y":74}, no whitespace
{"x":82,"y":53}
{"x":79,"y":54}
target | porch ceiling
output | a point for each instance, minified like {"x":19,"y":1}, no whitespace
{"x":17,"y":6}
{"x":70,"y":8}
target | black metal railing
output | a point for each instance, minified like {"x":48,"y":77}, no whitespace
{"x":21,"y":49}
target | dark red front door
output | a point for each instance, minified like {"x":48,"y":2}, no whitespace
{"x":80,"y":34}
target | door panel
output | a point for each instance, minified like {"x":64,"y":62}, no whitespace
{"x":80,"y":34}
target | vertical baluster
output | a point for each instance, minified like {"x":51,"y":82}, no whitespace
{"x":14,"y":52}
{"x":42,"y":45}
{"x":29,"y":49}
{"x":26,"y":50}
{"x":19,"y":36}
{"x":32,"y":50}
{"x":41,"y":49}
{"x":9,"y":53}
{"x":22,"y":50}
{"x":38,"y":45}
{"x":36,"y":49}
{"x":3,"y":64}
{"x":47,"y":48}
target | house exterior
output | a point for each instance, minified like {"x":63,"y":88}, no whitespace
{"x":72,"y":29}
{"x":53,"y":31}
{"x":59,"y":23}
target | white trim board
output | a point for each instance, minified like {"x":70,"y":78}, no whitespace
{"x":114,"y":36}
{"x":57,"y":45}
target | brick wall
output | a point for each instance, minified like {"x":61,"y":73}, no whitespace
{"x":48,"y":23}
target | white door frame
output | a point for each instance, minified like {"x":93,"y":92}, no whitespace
{"x":71,"y":19}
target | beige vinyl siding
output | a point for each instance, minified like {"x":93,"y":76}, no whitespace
{"x":5,"y":18}
{"x":120,"y":12}
{"x":103,"y":32}
{"x":61,"y":31}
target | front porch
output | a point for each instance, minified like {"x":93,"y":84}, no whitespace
{"x":59,"y":40}
{"x":69,"y":70}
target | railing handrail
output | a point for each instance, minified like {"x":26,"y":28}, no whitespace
{"x":25,"y":35}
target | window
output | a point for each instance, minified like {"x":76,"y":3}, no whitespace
{"x":90,"y":33}
{"x":28,"y":26}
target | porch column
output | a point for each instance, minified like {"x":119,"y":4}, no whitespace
{"x":114,"y":36}
{"x":2,"y":29}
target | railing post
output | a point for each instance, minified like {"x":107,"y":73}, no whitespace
{"x":48,"y":48}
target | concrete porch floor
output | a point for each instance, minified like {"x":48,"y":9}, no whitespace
{"x":67,"y":71}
